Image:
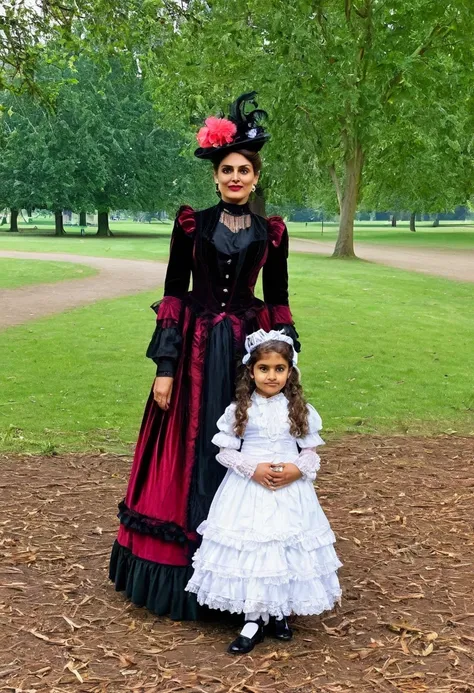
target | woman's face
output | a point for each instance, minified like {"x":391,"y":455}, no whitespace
{"x":235,"y":178}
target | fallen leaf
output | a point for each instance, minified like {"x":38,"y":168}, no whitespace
{"x":431,"y":636}
{"x":400,"y":627}
{"x":404,"y":646}
{"x":71,"y":624}
{"x":40,"y":636}
{"x":453,"y":659}
{"x":70,"y":666}
{"x":411,"y":595}
{"x":126,"y":661}
{"x":428,"y":650}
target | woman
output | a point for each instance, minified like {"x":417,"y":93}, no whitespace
{"x":198,"y":342}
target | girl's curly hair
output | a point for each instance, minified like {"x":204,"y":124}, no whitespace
{"x":297,"y":405}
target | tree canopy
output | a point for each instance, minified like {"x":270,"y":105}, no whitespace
{"x":333,"y":76}
{"x":102,"y":147}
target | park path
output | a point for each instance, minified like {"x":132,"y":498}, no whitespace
{"x":450,"y":264}
{"x":121,"y":277}
{"x":115,"y":278}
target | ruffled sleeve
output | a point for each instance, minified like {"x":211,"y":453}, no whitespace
{"x":276,"y":230}
{"x":226,"y":437}
{"x":165,"y":345}
{"x":187,"y":219}
{"x":312,"y":439}
{"x":275,"y":279}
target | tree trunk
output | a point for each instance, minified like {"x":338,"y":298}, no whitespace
{"x":412,"y":221}
{"x":353,"y":177}
{"x":29,"y":213}
{"x":257,"y":204}
{"x":436,"y":222}
{"x":58,"y":223}
{"x":103,"y":223}
{"x":83,"y":219}
{"x":394,"y":219}
{"x":14,"y":220}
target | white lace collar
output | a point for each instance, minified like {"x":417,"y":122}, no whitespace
{"x":271,"y":414}
{"x":260,"y":399}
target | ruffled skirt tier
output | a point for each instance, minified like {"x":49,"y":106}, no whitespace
{"x":266,"y":551}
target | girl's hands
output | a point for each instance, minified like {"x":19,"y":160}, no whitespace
{"x":289,"y":474}
{"x":162,"y":389}
{"x":268,"y":478}
{"x":264,"y":475}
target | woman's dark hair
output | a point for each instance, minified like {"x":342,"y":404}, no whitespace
{"x":297,"y":405}
{"x":253,"y":157}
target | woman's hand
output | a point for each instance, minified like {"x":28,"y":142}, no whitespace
{"x":264,"y":475}
{"x":289,"y":474}
{"x":162,"y":389}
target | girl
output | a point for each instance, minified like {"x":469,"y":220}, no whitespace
{"x":267,"y":548}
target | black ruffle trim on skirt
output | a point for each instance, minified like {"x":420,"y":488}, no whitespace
{"x":158,"y":587}
{"x":162,"y":529}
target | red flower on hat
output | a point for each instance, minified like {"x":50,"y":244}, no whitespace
{"x":216,"y":132}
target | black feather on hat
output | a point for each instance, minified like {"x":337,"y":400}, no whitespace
{"x":243,"y":129}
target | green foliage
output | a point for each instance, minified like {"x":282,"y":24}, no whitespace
{"x":340,"y":80}
{"x":56,"y":32}
{"x":102,"y":147}
{"x":426,"y":165}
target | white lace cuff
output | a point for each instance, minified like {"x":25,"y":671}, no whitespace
{"x":308,"y":463}
{"x":237,"y":462}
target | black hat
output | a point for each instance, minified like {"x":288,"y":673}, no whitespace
{"x":243,"y":129}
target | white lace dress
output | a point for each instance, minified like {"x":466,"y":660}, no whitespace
{"x":266,"y":551}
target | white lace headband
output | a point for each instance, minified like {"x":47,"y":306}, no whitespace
{"x":260,"y":337}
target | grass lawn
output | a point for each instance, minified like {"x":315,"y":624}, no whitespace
{"x":151,"y":241}
{"x":456,"y":237}
{"x":15,"y":273}
{"x":132,"y":241}
{"x":384,"y":351}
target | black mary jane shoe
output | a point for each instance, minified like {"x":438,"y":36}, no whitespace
{"x":243,"y":645}
{"x":280,"y":629}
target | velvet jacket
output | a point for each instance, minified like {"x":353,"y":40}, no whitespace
{"x":222,"y":285}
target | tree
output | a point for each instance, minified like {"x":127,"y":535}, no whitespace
{"x":330,"y":73}
{"x":101,"y":147}
{"x":39,"y":162}
{"x":58,"y":31}
{"x":138,"y":165}
{"x":428,"y":165}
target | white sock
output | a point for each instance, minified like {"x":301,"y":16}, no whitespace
{"x":249,"y":630}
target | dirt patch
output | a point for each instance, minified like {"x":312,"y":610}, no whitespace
{"x":115,"y":278}
{"x":401,"y":508}
{"x":451,"y":264}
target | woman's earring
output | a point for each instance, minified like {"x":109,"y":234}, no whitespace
{"x":254,"y":187}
